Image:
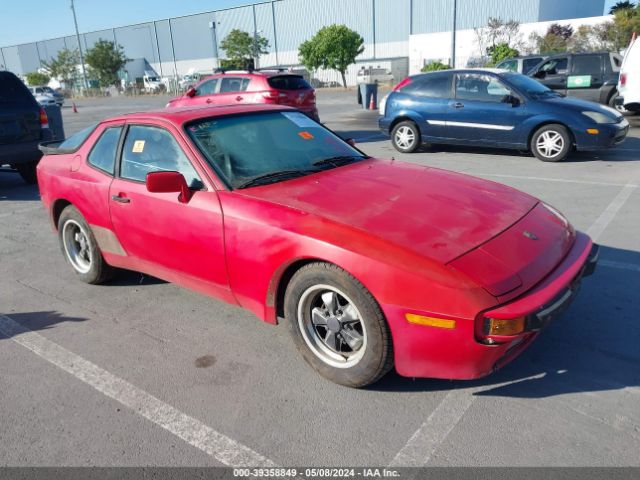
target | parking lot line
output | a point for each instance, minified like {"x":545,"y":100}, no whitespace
{"x":222,"y":448}
{"x":610,"y":212}
{"x":547,"y":179}
{"x":621,"y":265}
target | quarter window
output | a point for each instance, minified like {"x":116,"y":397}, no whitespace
{"x":153,"y":149}
{"x":482,"y":88}
{"x":103,"y":153}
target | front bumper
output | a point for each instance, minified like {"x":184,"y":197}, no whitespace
{"x":609,"y":136}
{"x":458,"y":353}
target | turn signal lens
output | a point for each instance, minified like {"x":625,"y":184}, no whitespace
{"x":430,"y":321}
{"x":501,"y":327}
{"x":593,"y":131}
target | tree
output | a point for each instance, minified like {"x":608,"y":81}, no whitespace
{"x":497,"y":32}
{"x":64,"y":67}
{"x":621,"y":6}
{"x":105,"y":60}
{"x":564,"y":31}
{"x":334,"y":47}
{"x":241,"y":48}
{"x":500,"y":52}
{"x":434,"y":66}
{"x":37,"y":78}
{"x":556,"y":40}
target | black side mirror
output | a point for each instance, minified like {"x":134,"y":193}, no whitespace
{"x":540,"y":74}
{"x":512,"y":99}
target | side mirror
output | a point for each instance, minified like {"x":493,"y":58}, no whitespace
{"x":512,"y":99}
{"x":191,"y":92}
{"x":351,"y":142}
{"x":540,"y":74}
{"x":168,"y":182}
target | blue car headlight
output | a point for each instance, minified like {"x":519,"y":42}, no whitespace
{"x":599,"y":117}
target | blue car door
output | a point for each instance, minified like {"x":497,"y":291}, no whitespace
{"x":427,"y":96}
{"x":484,"y":111}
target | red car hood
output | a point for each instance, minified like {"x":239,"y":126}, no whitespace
{"x":432,"y":212}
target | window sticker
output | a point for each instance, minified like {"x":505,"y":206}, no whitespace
{"x":579,"y":81}
{"x":300,"y":119}
{"x":306,"y":135}
{"x":138,"y":146}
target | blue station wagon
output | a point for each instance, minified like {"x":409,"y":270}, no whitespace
{"x":495,"y":108}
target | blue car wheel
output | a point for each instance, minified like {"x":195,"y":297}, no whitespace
{"x":551,"y":143}
{"x":405,"y":137}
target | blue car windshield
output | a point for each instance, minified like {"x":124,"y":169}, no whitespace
{"x":528,"y":85}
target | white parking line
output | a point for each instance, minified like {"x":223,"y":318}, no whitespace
{"x":222,"y":448}
{"x":547,"y":179}
{"x":424,"y":442}
{"x":610,"y":212}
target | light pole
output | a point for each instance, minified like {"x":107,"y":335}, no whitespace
{"x":75,"y":22}
{"x":453,"y":36}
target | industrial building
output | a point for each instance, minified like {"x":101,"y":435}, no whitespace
{"x":187,"y":44}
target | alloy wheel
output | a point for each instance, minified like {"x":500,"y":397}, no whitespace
{"x":77,"y":246}
{"x":405,"y":137}
{"x":550,"y":143}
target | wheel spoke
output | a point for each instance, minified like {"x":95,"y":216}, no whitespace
{"x":318,"y":318}
{"x":330,"y":340}
{"x":349,"y":314}
{"x":330,"y":300}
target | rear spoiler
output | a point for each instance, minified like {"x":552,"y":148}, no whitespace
{"x":51,"y":148}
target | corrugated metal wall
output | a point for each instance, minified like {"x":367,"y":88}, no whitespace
{"x":385,"y":26}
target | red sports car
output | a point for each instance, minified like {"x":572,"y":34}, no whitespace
{"x":372,"y":263}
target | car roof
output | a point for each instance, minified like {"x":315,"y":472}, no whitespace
{"x":496,"y":71}
{"x":181,"y":115}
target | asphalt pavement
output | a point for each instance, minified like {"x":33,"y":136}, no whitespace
{"x":141,"y":372}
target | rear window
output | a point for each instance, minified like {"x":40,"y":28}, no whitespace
{"x":77,"y":139}
{"x":12,"y":90}
{"x":288,"y":82}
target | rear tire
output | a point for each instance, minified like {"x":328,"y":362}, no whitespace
{"x":405,"y":137}
{"x":551,"y":143}
{"x":80,"y":248}
{"x":337,"y":326}
{"x":28,"y":172}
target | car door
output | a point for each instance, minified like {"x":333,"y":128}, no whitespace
{"x":232,"y":90}
{"x":484,"y":111}
{"x":205,"y":93}
{"x":176,"y":241}
{"x":586,"y":77}
{"x":553,"y":73}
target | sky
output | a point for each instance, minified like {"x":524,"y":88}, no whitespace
{"x":26,"y":21}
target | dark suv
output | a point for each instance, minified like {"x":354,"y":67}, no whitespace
{"x":589,"y":76}
{"x":23,"y":125}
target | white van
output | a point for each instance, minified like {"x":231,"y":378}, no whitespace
{"x":629,"y":83}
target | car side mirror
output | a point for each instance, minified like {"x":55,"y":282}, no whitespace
{"x":512,"y":99}
{"x":191,"y":92}
{"x":168,"y":182}
{"x":351,"y":142}
{"x":540,"y":74}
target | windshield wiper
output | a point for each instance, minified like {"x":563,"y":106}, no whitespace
{"x":283,"y":174}
{"x":337,"y":161}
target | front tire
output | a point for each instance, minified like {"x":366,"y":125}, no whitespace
{"x":551,"y":143}
{"x":28,"y":172}
{"x":337,"y":326}
{"x":405,"y":137}
{"x":80,"y":248}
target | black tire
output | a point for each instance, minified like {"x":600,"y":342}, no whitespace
{"x":558,"y":147}
{"x":621,"y":109}
{"x":90,"y":265}
{"x":412,"y":140}
{"x":368,"y":363}
{"x":28,"y":172}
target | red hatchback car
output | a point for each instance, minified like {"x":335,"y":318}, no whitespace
{"x":371,"y":262}
{"x":269,"y":87}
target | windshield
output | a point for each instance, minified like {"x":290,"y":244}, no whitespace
{"x":260,"y":148}
{"x":528,"y":85}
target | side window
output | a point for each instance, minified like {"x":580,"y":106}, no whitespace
{"x":432,"y":86}
{"x":556,"y":66}
{"x":509,"y":65}
{"x":152,"y":149}
{"x":586,"y":65}
{"x":482,"y":88}
{"x":232,"y":84}
{"x":103,"y":153}
{"x":207,"y":88}
{"x":529,"y":63}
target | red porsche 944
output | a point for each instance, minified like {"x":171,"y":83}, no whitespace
{"x":371,"y":263}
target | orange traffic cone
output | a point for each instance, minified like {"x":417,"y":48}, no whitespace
{"x":372,"y":104}
{"x":75,"y":109}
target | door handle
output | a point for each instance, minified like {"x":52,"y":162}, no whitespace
{"x":458,"y":105}
{"x":239,"y":98}
{"x":119,"y":199}
{"x":209,"y":100}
